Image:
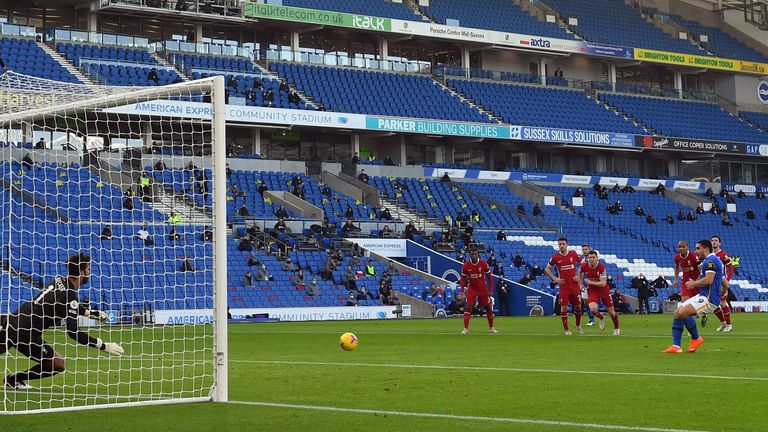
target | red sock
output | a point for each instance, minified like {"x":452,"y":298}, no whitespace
{"x":489,"y":314}
{"x":719,"y":313}
{"x":564,"y":319}
{"x":615,"y":319}
{"x":727,"y":314}
{"x":578,"y":317}
{"x":467,"y":315}
{"x":599,"y":315}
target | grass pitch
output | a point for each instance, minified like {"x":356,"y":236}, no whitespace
{"x":423,"y":375}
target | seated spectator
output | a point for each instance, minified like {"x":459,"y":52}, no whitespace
{"x":750,"y":214}
{"x":288,"y":266}
{"x":410,"y":231}
{"x":207,"y":234}
{"x":602,"y":193}
{"x":741,"y":194}
{"x":388,"y":161}
{"x":328,"y":269}
{"x":760,"y":195}
{"x":501,"y":235}
{"x":659,"y":190}
{"x":281,"y":213}
{"x":370,"y":270}
{"x":492,"y":261}
{"x":681,"y":215}
{"x":616,"y":188}
{"x":432,"y":290}
{"x":354,"y":260}
{"x":709,"y":193}
{"x":700,"y":208}
{"x":187,"y":266}
{"x":620,"y":302}
{"x":280,"y":226}
{"x":253,"y":261}
{"x":729,"y":199}
{"x":675,"y":297}
{"x":386,"y":215}
{"x":639,"y":211}
{"x":518,"y":260}
{"x":27,"y":162}
{"x":457,"y":305}
{"x":690,"y":216}
{"x":385,"y":293}
{"x":650,"y":219}
{"x":579,"y":193}
{"x":398,"y":185}
{"x":628,"y":189}
{"x":349,"y":213}
{"x":262,"y":188}
{"x":352,"y":298}
{"x":364,"y":294}
{"x":312,"y":289}
{"x":521,"y":208}
{"x":174,"y":219}
{"x":243,"y":211}
{"x":363,"y":177}
{"x":263,"y":275}
{"x":299,"y":280}
{"x":669,"y":219}
{"x":445,"y":178}
{"x":525,"y":280}
{"x":128,"y":203}
{"x":617,"y":205}
{"x":391,"y":269}
{"x":349,"y":228}
{"x":247,"y":280}
{"x":173,"y":235}
{"x":143,"y":235}
{"x":245,"y":244}
{"x":537,"y":210}
{"x":349,"y":279}
{"x":106,"y":233}
{"x":160,"y":165}
{"x":40,"y":145}
{"x":536,"y":271}
{"x":498,"y":270}
{"x":726,"y":220}
{"x":387,"y":232}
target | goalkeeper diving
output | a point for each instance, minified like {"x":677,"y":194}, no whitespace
{"x":23,"y":329}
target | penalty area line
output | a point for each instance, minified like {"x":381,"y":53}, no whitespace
{"x":503,"y":369}
{"x":459,"y":417}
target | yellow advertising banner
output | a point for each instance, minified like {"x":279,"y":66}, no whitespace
{"x":700,"y":61}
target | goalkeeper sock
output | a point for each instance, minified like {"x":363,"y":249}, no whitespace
{"x":677,"y":332}
{"x":727,"y":314}
{"x":690,"y":324}
{"x":36,"y":372}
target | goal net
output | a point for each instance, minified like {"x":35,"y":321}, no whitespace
{"x":133,"y":178}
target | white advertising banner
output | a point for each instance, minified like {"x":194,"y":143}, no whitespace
{"x":336,"y":313}
{"x":390,"y":248}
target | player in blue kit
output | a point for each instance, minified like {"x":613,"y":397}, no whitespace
{"x":706,"y":301}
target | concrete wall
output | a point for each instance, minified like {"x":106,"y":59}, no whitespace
{"x":740,"y":89}
{"x":389,"y":171}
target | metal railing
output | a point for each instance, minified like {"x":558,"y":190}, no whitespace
{"x":7,"y":29}
{"x":362,"y":61}
{"x":206,"y":48}
{"x":78,"y":36}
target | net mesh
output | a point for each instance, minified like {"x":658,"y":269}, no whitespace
{"x":78,"y":179}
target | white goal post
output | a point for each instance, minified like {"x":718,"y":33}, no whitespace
{"x":77,"y":178}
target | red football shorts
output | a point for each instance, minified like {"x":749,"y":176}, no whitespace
{"x":570,"y":294}
{"x":688,"y":292}
{"x":477,"y":295}
{"x":596,"y":295}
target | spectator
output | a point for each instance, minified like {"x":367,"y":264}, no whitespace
{"x":386,"y":232}
{"x":312,"y":289}
{"x":181,"y":5}
{"x":492,"y":261}
{"x":628,"y":189}
{"x":518,"y":260}
{"x":257,"y":84}
{"x":690,"y":216}
{"x":536,"y":271}
{"x":409,"y":231}
{"x":537,"y":210}
{"x":207,"y":234}
{"x":398,"y":185}
{"x":501,"y":235}
{"x":363,"y":177}
{"x":521,"y":208}
{"x":602,"y":193}
{"x":760,"y":195}
{"x":503,"y":292}
{"x":263,"y":275}
{"x":611,"y":283}
{"x":245,"y":244}
{"x":498,"y":270}
{"x":726,"y":220}
{"x":741,"y":194}
{"x":750,"y":214}
{"x":386,"y":215}
{"x":281,"y":212}
{"x":432,"y":290}
{"x":709,"y":193}
{"x":145,"y":185}
{"x":253,"y":261}
{"x":385,"y":293}
{"x":247,"y":280}
{"x":349,"y":213}
{"x":650,"y":219}
{"x":356,"y":159}
{"x":643,"y":293}
{"x":370,"y":270}
{"x":232,"y":82}
{"x":660,"y":283}
{"x":187,"y":266}
{"x":445,"y":178}
{"x":364,"y":294}
{"x":639,"y":211}
{"x":579,"y":193}
{"x":388,"y":161}
{"x":152,"y":76}
{"x":352,"y":298}
{"x":616,"y":188}
{"x":143,"y":234}
{"x":620,"y":302}
{"x":174,"y":219}
{"x":349,"y":227}
{"x":280,"y":226}
{"x":349,"y":279}
{"x":27,"y":162}
{"x":288,"y":266}
{"x":391,"y":269}
{"x":269,"y":98}
{"x":675,"y":297}
{"x":106,"y":233}
{"x":299,"y":280}
{"x":173,"y":235}
{"x":670,"y":220}
{"x":262,"y":188}
{"x":40,"y":145}
{"x":660,"y":188}
{"x":457,"y":305}
{"x":328,"y":269}
{"x":525,"y":280}
{"x":729,"y":199}
{"x":294,"y":99}
{"x":700,"y":208}
{"x":207,"y":7}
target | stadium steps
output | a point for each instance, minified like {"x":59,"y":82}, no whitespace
{"x":166,"y":202}
{"x":162,"y":61}
{"x":407,"y":214}
{"x":66,"y":64}
{"x":470,"y":102}
{"x":414,"y":6}
{"x":306,"y":99}
{"x":503,"y":207}
{"x":669,"y":27}
{"x":540,"y":11}
{"x":626,"y":116}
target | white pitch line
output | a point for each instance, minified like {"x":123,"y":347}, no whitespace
{"x":504,"y":369}
{"x":460,"y":417}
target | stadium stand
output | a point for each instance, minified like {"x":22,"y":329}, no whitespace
{"x":615,"y":22}
{"x":247,"y":85}
{"x":357,"y":91}
{"x":503,"y":16}
{"x":685,"y":119}
{"x":757,"y":119}
{"x":26,"y":57}
{"x":545,"y":107}
{"x":719,"y":42}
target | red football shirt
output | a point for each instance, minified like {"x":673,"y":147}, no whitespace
{"x":566,"y":266}
{"x":727,"y":264}
{"x":594,"y":274}
{"x":688,"y":265}
{"x":475,"y":274}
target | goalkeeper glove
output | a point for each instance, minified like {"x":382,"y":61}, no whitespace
{"x":111,"y":348}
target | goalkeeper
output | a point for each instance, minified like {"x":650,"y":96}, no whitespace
{"x":23,"y":329}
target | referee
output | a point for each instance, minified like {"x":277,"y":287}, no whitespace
{"x":23,"y":329}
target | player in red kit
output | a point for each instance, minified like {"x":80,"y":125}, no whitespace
{"x":723,"y":312}
{"x":687,"y":263}
{"x":598,"y":290}
{"x":566,"y":262}
{"x":474,"y":288}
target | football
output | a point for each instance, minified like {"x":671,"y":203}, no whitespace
{"x":348,"y":341}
